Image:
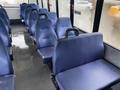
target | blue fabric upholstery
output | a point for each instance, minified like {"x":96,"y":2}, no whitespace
{"x":7,"y":82}
{"x":53,"y":17}
{"x":45,"y":35}
{"x":5,"y":13}
{"x":43,"y":10}
{"x":5,"y":63}
{"x":5,"y":18}
{"x":92,"y":76}
{"x":6,"y":26}
{"x":4,"y":34}
{"x":47,"y":54}
{"x":77,"y":51}
{"x":45,"y":38}
{"x":33,"y":19}
{"x":22,"y":10}
{"x":28,"y":11}
{"x":62,"y":25}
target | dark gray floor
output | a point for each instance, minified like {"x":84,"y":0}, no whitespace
{"x":31,"y":73}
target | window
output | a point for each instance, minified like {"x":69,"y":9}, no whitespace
{"x":84,"y":14}
{"x":110,"y":23}
{"x":40,"y":3}
{"x":12,"y":2}
{"x":53,"y":5}
{"x":64,"y":8}
{"x":45,"y":4}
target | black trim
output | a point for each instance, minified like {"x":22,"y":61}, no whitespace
{"x":57,"y":8}
{"x":42,"y":3}
{"x":80,"y":29}
{"x":72,"y":11}
{"x":15,"y":21}
{"x":48,"y":4}
{"x":98,"y":12}
{"x":37,"y":2}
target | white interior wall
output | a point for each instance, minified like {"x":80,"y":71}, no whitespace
{"x":13,"y":13}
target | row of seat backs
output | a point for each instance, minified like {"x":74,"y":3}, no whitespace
{"x":62,"y":23}
{"x":25,"y":10}
{"x":4,"y":17}
{"x":5,"y":42}
{"x":5,"y":30}
{"x":43,"y":29}
{"x":5,"y":62}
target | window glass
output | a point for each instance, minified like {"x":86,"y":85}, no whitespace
{"x":64,"y":8}
{"x":84,"y":14}
{"x":12,"y":2}
{"x":53,"y":5}
{"x":110,"y":23}
{"x":40,"y":4}
{"x":45,"y":4}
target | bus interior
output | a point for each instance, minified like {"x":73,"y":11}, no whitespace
{"x":59,"y":44}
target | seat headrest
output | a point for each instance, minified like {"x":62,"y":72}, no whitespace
{"x":72,"y":32}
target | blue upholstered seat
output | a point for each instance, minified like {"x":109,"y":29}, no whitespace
{"x":28,"y":11}
{"x":78,"y":64}
{"x":5,"y":62}
{"x":62,"y":25}
{"x":5,"y":18}
{"x":33,"y":19}
{"x":45,"y":35}
{"x":53,"y":17}
{"x":22,"y":10}
{"x":7,"y":82}
{"x":96,"y":75}
{"x":4,"y":34}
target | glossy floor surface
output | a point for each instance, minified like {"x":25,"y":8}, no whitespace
{"x":31,"y":73}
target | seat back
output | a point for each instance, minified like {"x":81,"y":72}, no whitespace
{"x":77,"y":51}
{"x":22,"y":10}
{"x":27,"y":13}
{"x":6,"y":26}
{"x":4,"y":34}
{"x":32,"y":20}
{"x":53,"y":18}
{"x":5,"y":63}
{"x":43,"y":10}
{"x":45,"y":35}
{"x":4,"y":17}
{"x":5,"y":13}
{"x":62,"y":25}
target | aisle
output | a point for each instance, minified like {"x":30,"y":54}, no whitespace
{"x":31,"y":73}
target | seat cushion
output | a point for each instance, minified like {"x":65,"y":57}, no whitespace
{"x":46,"y":54}
{"x":93,"y":76}
{"x":7,"y":82}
